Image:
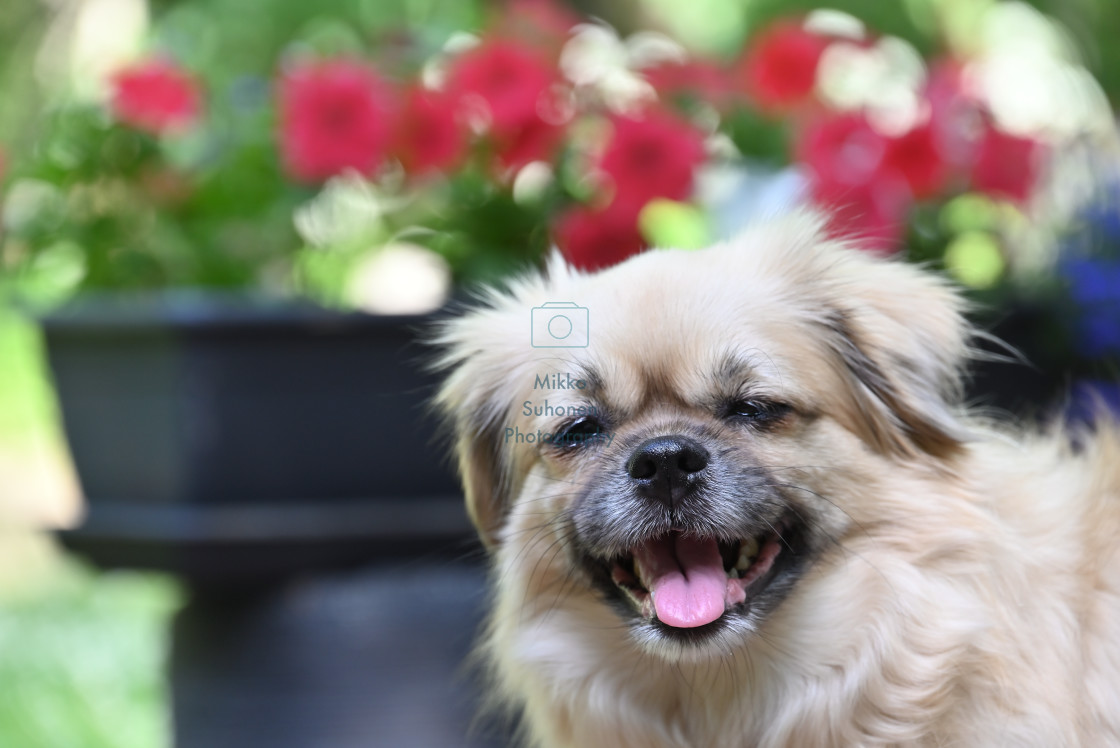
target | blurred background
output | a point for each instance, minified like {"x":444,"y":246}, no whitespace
{"x":222,"y":225}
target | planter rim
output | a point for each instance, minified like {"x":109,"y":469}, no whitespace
{"x":411,"y":519}
{"x":267,"y":544}
{"x":211,"y":310}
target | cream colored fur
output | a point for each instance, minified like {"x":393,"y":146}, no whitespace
{"x":968,"y":589}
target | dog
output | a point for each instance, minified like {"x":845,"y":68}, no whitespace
{"x":746,"y":506}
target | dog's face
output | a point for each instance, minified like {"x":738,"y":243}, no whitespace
{"x":721,"y":433}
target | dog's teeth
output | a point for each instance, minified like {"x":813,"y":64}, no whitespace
{"x":747,"y":551}
{"x":638,"y":572}
{"x":733,"y":574}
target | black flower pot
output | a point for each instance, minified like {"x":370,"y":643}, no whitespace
{"x":256,"y":449}
{"x":222,"y":438}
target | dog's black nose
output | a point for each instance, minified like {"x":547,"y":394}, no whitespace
{"x":666,"y":468}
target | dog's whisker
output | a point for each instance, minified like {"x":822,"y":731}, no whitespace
{"x":832,"y":538}
{"x":779,"y":534}
{"x":528,"y":545}
{"x":802,"y":467}
{"x":554,"y":479}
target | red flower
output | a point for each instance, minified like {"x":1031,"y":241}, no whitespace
{"x":334,"y":116}
{"x":779,"y":69}
{"x":917,"y":157}
{"x":427,"y":135}
{"x":1006,"y":165}
{"x":654,"y":156}
{"x":506,"y":80}
{"x":594,"y":239}
{"x":536,"y":141}
{"x":156,"y":96}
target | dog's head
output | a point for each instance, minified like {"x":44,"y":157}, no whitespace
{"x":680,"y":438}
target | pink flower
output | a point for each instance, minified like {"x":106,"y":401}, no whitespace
{"x":156,"y":96}
{"x":779,"y":69}
{"x":652,"y":156}
{"x":956,"y":114}
{"x":335,"y":115}
{"x":701,"y":79}
{"x":593,"y":239}
{"x":846,"y":149}
{"x":841,"y":149}
{"x":996,"y":162}
{"x":505,"y":81}
{"x":1006,"y":165}
{"x":427,"y":135}
{"x":872,"y":214}
{"x":863,"y":178}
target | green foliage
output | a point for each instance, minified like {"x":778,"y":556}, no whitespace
{"x":81,"y":659}
{"x":96,"y":205}
{"x":26,"y":401}
{"x":490,"y":235}
{"x":759,"y":138}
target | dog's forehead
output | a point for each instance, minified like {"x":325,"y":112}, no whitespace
{"x":676,"y":330}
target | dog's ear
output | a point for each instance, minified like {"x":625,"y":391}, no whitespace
{"x":484,"y":479}
{"x":900,"y":339}
{"x":474,"y":410}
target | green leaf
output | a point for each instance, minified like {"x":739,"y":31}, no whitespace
{"x":667,"y":223}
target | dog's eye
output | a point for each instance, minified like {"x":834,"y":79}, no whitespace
{"x":757,"y":411}
{"x":580,"y":432}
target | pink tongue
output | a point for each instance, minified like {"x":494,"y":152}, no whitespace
{"x":685,"y":576}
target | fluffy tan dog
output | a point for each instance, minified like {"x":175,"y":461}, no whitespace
{"x":739,"y":504}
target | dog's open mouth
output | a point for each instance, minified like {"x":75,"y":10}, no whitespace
{"x":686,"y":581}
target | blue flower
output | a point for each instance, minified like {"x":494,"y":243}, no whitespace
{"x":1100,"y":333}
{"x":1103,"y":215}
{"x":1094,"y":286}
{"x":1090,"y":398}
{"x":1093,"y":281}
